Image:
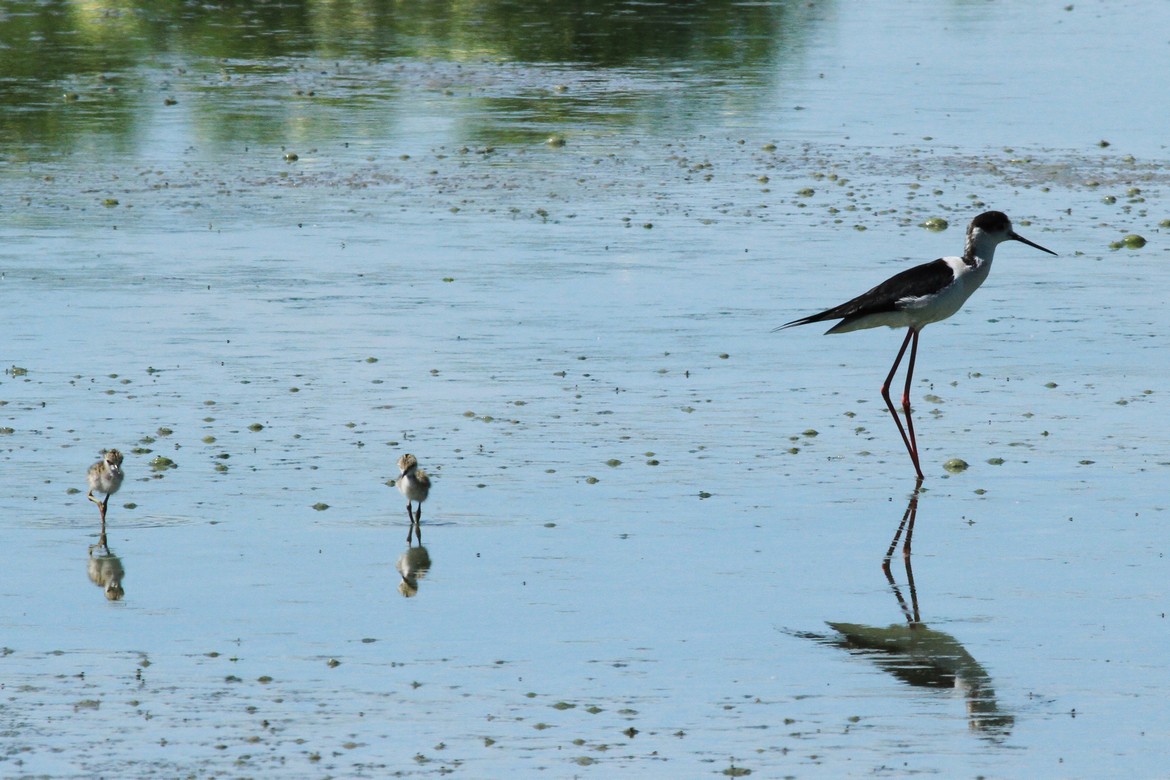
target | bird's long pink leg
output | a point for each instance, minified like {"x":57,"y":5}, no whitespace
{"x":908,"y":440}
{"x":910,"y":371}
{"x":906,"y":403}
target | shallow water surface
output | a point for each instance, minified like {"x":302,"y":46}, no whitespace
{"x":656,"y":533}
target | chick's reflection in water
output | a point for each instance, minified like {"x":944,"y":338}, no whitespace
{"x":105,"y":569}
{"x":922,"y":656}
{"x":412,"y":566}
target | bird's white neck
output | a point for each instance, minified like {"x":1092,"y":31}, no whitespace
{"x":980,"y":248}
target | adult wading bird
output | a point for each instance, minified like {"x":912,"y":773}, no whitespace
{"x":919,"y":296}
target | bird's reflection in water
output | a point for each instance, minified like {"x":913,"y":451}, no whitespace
{"x":922,"y":656}
{"x":412,"y":565}
{"x":105,"y":569}
{"x":907,"y":526}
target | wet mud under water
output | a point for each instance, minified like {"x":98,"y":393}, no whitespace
{"x":656,"y":533}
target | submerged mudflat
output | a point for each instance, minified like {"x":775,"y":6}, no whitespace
{"x":655,"y":535}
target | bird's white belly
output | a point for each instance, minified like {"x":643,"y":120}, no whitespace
{"x":933,"y":308}
{"x":412,"y":488}
{"x":925,"y":309}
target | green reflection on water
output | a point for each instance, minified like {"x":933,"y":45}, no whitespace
{"x":101,"y":77}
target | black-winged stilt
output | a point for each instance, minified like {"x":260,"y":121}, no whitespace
{"x":919,"y":296}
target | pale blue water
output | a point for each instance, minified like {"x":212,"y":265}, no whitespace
{"x":535,"y":312}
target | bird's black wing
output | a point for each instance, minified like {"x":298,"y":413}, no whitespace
{"x":913,"y":282}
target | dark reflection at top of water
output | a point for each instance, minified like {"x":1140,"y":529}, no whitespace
{"x":73,"y":69}
{"x":77,"y":37}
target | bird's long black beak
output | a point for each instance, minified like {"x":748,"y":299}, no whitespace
{"x":1022,"y":240}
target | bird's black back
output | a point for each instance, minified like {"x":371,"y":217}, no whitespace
{"x":914,"y":282}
